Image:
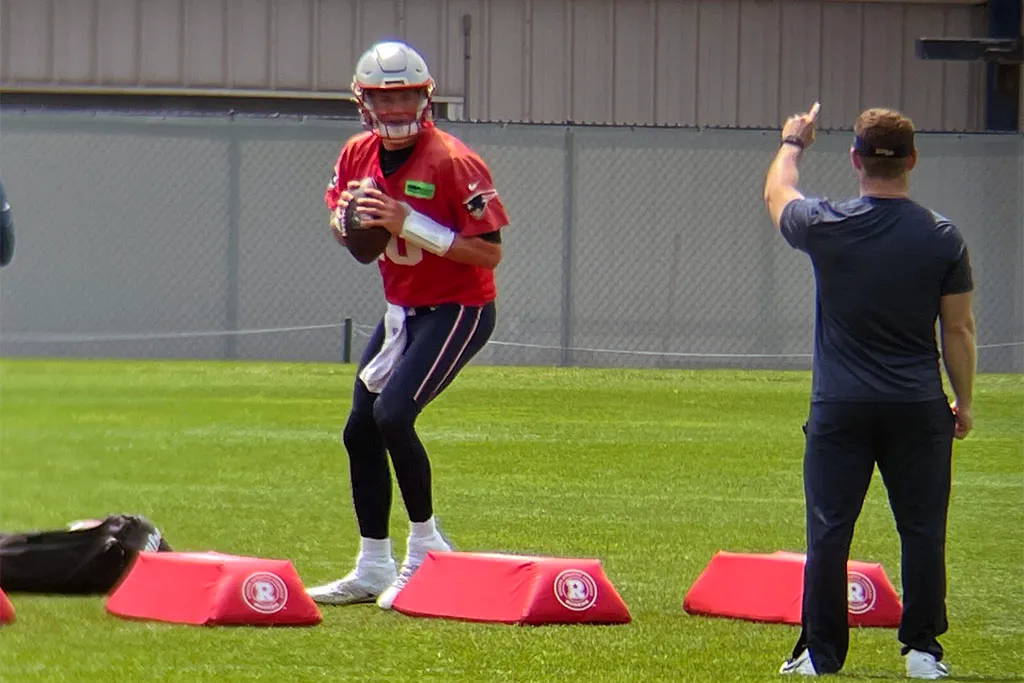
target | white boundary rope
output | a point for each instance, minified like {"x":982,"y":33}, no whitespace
{"x":365,"y":331}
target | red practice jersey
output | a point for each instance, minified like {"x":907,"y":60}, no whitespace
{"x":445,"y":180}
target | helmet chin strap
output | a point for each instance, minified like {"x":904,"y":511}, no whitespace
{"x":398,"y":132}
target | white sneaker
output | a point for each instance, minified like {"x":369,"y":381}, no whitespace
{"x":413,"y":559}
{"x":801,"y":666}
{"x":354,"y":588}
{"x":923,"y":665}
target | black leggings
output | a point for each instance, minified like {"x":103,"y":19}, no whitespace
{"x":440,"y":341}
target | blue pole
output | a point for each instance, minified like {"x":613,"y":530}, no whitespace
{"x":1002,"y":81}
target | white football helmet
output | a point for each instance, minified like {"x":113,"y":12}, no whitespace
{"x":392,"y":66}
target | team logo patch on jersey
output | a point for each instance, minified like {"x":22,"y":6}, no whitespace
{"x":476,"y":203}
{"x":419,"y":189}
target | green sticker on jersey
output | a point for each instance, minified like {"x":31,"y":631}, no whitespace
{"x":419,"y":189}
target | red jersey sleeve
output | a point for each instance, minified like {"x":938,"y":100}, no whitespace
{"x":480,"y":209}
{"x":334,"y":188}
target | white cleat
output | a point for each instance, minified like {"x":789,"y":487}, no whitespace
{"x":354,"y":588}
{"x":923,"y":665}
{"x":801,"y":666}
{"x":412,"y":562}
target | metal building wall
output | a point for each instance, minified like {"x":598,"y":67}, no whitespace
{"x":691,"y":62}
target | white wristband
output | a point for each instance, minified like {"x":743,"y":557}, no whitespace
{"x":426,"y":233}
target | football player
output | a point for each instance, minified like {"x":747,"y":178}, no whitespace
{"x":437,"y":199}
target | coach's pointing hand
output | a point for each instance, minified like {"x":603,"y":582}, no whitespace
{"x":802,"y":126}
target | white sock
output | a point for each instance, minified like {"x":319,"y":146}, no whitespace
{"x":374,"y":552}
{"x":422,"y":531}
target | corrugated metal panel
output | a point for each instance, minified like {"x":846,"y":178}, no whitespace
{"x":801,"y":59}
{"x":692,"y":62}
{"x":117,"y":42}
{"x":74,"y":31}
{"x":551,"y":63}
{"x":677,"y":69}
{"x":759,"y":79}
{"x":508,"y":34}
{"x":161,"y":35}
{"x":203,"y":45}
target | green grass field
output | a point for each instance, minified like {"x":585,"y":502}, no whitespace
{"x":650,"y":471}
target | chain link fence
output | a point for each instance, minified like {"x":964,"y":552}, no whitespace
{"x":206,"y":237}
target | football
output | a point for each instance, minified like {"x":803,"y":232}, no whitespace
{"x":365,"y":244}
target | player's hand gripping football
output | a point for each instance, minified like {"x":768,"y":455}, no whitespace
{"x":385,"y":212}
{"x":802,"y":125}
{"x":337,"y":222}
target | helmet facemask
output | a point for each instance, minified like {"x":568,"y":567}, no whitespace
{"x":396,"y":114}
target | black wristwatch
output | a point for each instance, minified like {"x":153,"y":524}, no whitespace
{"x":793,"y":140}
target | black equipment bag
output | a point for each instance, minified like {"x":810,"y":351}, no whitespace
{"x":86,"y":558}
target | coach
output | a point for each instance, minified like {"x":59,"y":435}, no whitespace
{"x":886,"y":268}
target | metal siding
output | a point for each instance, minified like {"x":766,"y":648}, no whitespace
{"x":205,"y":47}
{"x":74,"y":40}
{"x":424,"y":26}
{"x":377,"y":21}
{"x":117,"y":33}
{"x":28,"y":40}
{"x":800,"y":58}
{"x":634,"y":61}
{"x":291,"y":47}
{"x":161,"y":34}
{"x":759,"y":63}
{"x":249,"y":44}
{"x":841,"y":63}
{"x":592,"y":61}
{"x":677,"y":37}
{"x":689,"y":62}
{"x":337,"y":49}
{"x":550,"y":60}
{"x":964,"y":81}
{"x":881,"y":56}
{"x":505,"y":77}
{"x":450,"y":67}
{"x":718,"y":63}
{"x":923,"y":81}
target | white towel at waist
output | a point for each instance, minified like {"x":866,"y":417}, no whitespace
{"x":377,"y":372}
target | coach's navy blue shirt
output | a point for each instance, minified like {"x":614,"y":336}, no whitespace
{"x":880,"y":268}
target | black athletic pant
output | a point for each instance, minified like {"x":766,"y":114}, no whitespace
{"x":440,"y":341}
{"x":912,"y":446}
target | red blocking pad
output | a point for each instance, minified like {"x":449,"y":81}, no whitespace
{"x":6,"y":610}
{"x":511,"y":589}
{"x":769,"y":588}
{"x":213,"y":589}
